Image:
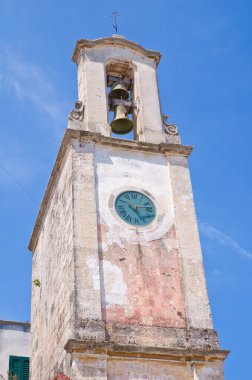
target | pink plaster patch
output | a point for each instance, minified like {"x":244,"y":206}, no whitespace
{"x":153,"y":279}
{"x":61,"y":376}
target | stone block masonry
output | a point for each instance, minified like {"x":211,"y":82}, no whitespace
{"x":53,"y":264}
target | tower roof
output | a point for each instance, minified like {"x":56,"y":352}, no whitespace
{"x":116,"y":41}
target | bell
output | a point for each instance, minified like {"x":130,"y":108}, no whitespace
{"x":121,"y":123}
{"x":118,"y":91}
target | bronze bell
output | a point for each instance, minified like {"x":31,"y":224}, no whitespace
{"x":121,"y":123}
{"x":118,"y":91}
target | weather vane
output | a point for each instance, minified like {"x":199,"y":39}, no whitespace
{"x":115,"y":14}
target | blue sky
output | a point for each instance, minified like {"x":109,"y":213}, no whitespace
{"x":205,"y":83}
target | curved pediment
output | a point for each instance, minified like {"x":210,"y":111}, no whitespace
{"x":116,"y":41}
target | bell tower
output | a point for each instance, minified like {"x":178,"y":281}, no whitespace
{"x":115,"y":245}
{"x":116,"y":76}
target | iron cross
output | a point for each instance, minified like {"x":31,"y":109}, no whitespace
{"x":115,"y":14}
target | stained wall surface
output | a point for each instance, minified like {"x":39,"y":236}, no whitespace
{"x":144,"y":369}
{"x":161,"y":370}
{"x":142,"y":280}
{"x":150,"y":275}
{"x":96,"y":271}
{"x":52,"y":263}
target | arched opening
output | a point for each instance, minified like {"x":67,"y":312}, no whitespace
{"x":120,"y":95}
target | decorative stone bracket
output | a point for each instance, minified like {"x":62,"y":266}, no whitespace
{"x":78,"y":113}
{"x":171,"y":131}
{"x":76,"y":121}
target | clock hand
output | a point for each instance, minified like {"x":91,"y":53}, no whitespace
{"x":134,"y":207}
{"x":142,"y":206}
{"x":129,"y":203}
{"x":144,"y":216}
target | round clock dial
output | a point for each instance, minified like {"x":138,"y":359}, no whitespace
{"x":135,"y":208}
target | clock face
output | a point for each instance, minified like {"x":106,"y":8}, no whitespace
{"x":135,"y":208}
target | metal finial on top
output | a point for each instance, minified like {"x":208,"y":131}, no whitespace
{"x":115,"y":14}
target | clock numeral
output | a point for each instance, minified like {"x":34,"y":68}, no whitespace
{"x":127,"y":196}
{"x":133,"y":195}
{"x":146,"y":203}
{"x":123,"y":212}
{"x":136,"y":221}
{"x":147,"y":216}
{"x":128,"y":218}
{"x":120,"y":207}
{"x":149,"y":209}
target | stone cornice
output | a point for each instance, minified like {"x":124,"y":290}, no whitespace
{"x":110,"y":349}
{"x":95,"y":138}
{"x":117,"y":41}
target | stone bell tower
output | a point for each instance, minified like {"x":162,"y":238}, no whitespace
{"x":115,"y":245}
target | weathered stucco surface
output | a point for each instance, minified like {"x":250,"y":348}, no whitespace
{"x":104,"y":281}
{"x":101,"y":368}
{"x":194,"y":285}
{"x":53,"y":262}
{"x":160,"y":370}
{"x":142,"y":282}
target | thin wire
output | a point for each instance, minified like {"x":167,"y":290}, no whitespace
{"x":18,"y":184}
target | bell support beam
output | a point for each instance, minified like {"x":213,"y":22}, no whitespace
{"x":129,"y":104}
{"x":127,"y":82}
